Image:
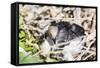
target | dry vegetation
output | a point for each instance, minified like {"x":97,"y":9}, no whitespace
{"x":35,"y":21}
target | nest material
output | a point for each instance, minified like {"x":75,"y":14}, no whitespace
{"x":37,"y":20}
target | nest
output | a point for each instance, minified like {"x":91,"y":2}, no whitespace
{"x":37,"y":20}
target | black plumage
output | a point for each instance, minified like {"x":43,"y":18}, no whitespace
{"x":66,"y":31}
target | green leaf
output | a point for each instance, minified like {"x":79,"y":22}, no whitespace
{"x":34,"y":50}
{"x":21,"y":21}
{"x":22,"y":44}
{"x":22,"y":34}
{"x":31,"y":59}
{"x":27,"y":49}
{"x":21,"y":56}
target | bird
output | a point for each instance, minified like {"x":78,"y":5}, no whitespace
{"x":64,"y":31}
{"x":60,"y":32}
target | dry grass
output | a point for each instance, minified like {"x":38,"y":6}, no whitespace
{"x":44,"y":15}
